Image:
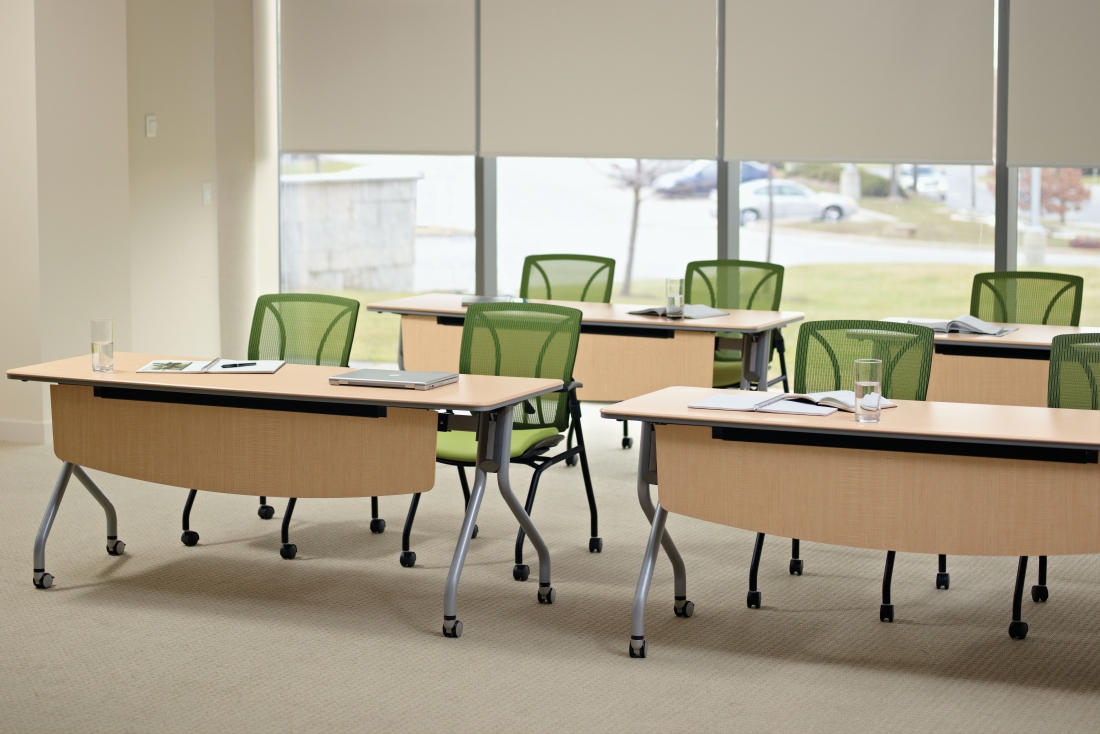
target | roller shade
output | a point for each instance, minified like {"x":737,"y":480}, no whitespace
{"x":860,"y":80}
{"x":599,"y":78}
{"x":377,"y":76}
{"x":1053,"y":105}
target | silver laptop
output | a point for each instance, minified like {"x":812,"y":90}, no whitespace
{"x":394,"y":378}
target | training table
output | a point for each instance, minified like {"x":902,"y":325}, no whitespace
{"x":997,"y":370}
{"x":953,"y":478}
{"x":620,"y":355}
{"x":287,"y":434}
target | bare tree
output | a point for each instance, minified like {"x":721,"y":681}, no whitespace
{"x":638,"y":177}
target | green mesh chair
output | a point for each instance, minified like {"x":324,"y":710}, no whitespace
{"x":520,"y":340}
{"x":300,"y":328}
{"x":737,"y":284}
{"x":1071,"y":383}
{"x":824,"y":361}
{"x":567,"y":278}
{"x":1027,"y":298}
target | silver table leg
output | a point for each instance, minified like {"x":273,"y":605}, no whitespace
{"x":647,"y":475}
{"x":755,"y":352}
{"x":494,"y":446}
{"x":115,"y":546}
{"x":645,"y":578}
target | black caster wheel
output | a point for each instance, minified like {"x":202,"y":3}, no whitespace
{"x":266,"y":512}
{"x":547,"y":595}
{"x":288,"y":551}
{"x":943,"y":581}
{"x":684,"y":609}
{"x":1039,"y":594}
{"x":796,"y":567}
{"x":595,"y":545}
{"x":189,"y":537}
{"x":628,"y":442}
{"x":571,"y":461}
{"x":117,"y":548}
{"x":754,"y":600}
{"x":638,"y":652}
{"x":44,"y":581}
{"x":454,"y":631}
{"x":408,"y":559}
{"x":1017,"y":630}
{"x":377,"y":526}
{"x":886,"y":612}
{"x":473,"y":534}
{"x":521,"y":572}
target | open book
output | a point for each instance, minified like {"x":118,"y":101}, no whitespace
{"x":815,"y":403}
{"x":691,"y":311}
{"x":960,"y":325}
{"x":221,"y":366}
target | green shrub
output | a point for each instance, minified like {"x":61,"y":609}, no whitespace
{"x":818,"y":171}
{"x":871,"y":184}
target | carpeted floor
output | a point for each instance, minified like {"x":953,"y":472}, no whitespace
{"x":228,"y":637}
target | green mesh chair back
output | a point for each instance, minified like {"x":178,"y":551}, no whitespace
{"x":303,"y":328}
{"x":567,"y":278}
{"x":827,"y":351}
{"x":736,"y":284}
{"x":1028,"y":298}
{"x":1074,"y":365}
{"x":524,"y":340}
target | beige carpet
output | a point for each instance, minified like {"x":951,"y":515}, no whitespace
{"x":228,"y":637}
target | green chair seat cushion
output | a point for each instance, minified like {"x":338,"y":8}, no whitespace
{"x":462,"y":445}
{"x":727,"y":372}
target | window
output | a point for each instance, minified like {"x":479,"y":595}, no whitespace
{"x":374,"y":227}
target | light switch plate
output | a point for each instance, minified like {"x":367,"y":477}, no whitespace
{"x":150,"y":126}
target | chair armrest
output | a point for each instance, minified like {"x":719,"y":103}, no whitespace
{"x":571,"y":386}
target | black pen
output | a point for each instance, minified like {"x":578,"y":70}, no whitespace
{"x":239,"y":364}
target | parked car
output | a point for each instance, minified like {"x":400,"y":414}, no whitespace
{"x":931,"y":181}
{"x":701,"y":177}
{"x":791,"y":200}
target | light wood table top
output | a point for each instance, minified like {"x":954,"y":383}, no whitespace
{"x":603,"y":314}
{"x":1025,"y":335}
{"x":968,"y":422}
{"x":476,"y":393}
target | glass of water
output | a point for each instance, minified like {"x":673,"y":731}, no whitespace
{"x":103,"y":345}
{"x":674,"y":298}
{"x":868,"y":390}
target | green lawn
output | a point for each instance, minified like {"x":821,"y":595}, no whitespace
{"x":820,"y":291}
{"x":932,"y":220}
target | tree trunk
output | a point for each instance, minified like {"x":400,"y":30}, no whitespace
{"x":894,"y":194}
{"x":916,"y":177}
{"x":637,"y":188}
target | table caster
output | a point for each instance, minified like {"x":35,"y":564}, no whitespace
{"x":473,"y":534}
{"x":754,"y":600}
{"x":408,"y":559}
{"x":547,"y":595}
{"x":115,"y":547}
{"x":377,"y":526}
{"x":521,"y":572}
{"x":796,"y":567}
{"x":1017,"y":630}
{"x":571,"y":461}
{"x":684,"y":608}
{"x":628,"y":442}
{"x":455,"y":629}
{"x":189,"y":537}
{"x":43,"y":580}
{"x":595,"y":545}
{"x":288,"y":551}
{"x":266,"y":512}
{"x":637,"y":648}
{"x":943,"y":581}
{"x":886,"y":613}
{"x":1039,"y":594}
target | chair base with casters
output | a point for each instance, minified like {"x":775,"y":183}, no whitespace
{"x":529,"y":448}
{"x":377,"y":524}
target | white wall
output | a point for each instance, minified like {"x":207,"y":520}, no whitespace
{"x":21,"y":415}
{"x":173,"y":235}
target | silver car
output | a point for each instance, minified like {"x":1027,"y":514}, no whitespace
{"x":792,"y":200}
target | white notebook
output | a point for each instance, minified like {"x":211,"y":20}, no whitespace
{"x":214,"y":366}
{"x":960,"y":325}
{"x":817,"y":403}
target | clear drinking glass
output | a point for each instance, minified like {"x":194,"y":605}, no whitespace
{"x":103,"y":345}
{"x":674,"y":298}
{"x":868,"y":373}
